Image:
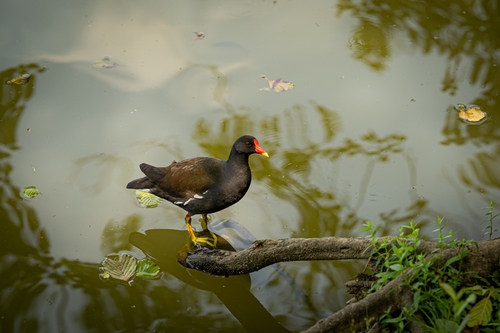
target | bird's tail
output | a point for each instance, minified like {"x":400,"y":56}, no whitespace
{"x":140,"y":184}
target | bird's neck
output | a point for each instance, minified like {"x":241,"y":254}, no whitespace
{"x":237,"y":159}
{"x":238,"y":170}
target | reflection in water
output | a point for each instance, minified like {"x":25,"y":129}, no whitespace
{"x":115,"y":234}
{"x":247,"y":309}
{"x":13,"y":100}
{"x":456,"y":30}
{"x":481,"y":172}
{"x":20,"y":228}
{"x":465,"y":34}
{"x":370,"y":44}
{"x":219,"y":94}
{"x":107,"y":163}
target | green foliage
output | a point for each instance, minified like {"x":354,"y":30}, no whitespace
{"x":480,"y":314}
{"x":489,"y":228}
{"x":442,"y":301}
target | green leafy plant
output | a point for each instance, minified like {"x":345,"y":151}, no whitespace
{"x":442,"y":300}
{"x":489,"y":228}
{"x":480,"y":314}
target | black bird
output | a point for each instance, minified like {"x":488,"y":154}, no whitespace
{"x":202,"y":185}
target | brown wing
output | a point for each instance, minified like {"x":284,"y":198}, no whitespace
{"x":185,"y":178}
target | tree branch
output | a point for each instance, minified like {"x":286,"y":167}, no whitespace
{"x":263,"y":253}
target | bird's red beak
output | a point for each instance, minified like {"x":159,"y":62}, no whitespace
{"x":258,"y":148}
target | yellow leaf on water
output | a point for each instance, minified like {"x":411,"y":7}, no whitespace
{"x":472,"y":114}
{"x":121,"y":267}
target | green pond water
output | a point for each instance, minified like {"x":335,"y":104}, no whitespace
{"x":370,"y":130}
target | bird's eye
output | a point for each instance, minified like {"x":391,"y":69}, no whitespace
{"x":248,"y":143}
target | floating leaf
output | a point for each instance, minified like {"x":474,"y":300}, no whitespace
{"x":106,"y":62}
{"x":199,"y":35}
{"x":279,"y":85}
{"x":22,"y":79}
{"x":147,"y":199}
{"x":480,"y":314}
{"x":30,"y":192}
{"x":472,"y":114}
{"x":147,"y":269}
{"x":121,"y":267}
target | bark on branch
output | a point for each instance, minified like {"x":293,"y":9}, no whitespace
{"x":266,"y":252}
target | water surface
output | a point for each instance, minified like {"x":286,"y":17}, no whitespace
{"x":369,"y":131}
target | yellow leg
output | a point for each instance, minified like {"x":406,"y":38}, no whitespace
{"x":209,"y":240}
{"x":204,"y":221}
{"x":190,"y":228}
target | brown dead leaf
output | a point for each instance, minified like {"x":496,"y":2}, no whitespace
{"x":279,"y":85}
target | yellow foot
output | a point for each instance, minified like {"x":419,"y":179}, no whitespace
{"x":210,"y":239}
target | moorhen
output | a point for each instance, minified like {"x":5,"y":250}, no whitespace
{"x":202,"y":185}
